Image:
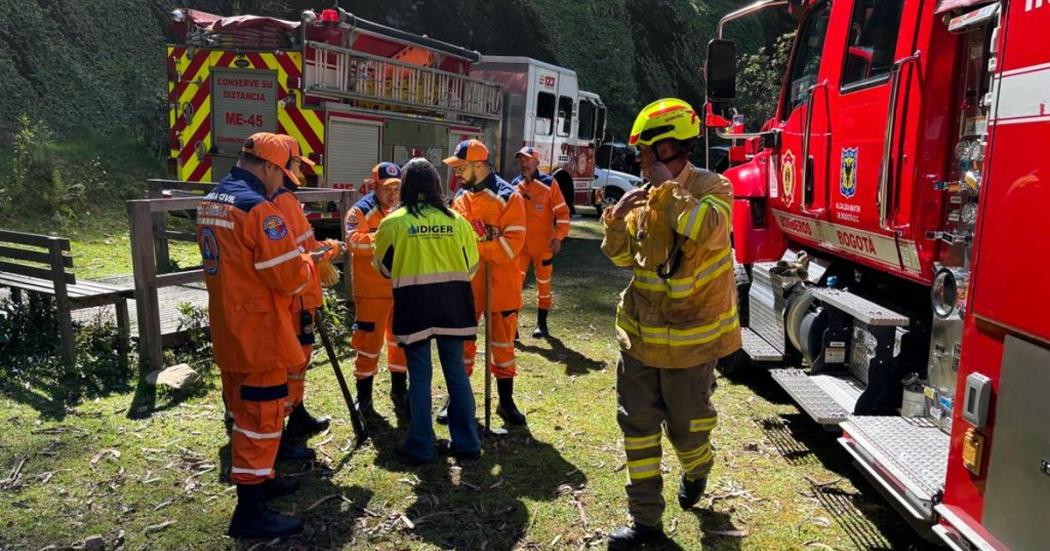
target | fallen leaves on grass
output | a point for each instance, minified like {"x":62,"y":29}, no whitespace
{"x":153,"y":528}
{"x":108,"y":453}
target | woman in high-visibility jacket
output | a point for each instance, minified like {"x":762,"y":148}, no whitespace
{"x":430,"y":253}
{"x":676,"y":318}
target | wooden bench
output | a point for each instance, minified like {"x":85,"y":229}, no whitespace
{"x":41,"y":264}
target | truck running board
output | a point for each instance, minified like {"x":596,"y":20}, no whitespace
{"x":907,"y":457}
{"x":860,"y":308}
{"x":828,"y":399}
{"x":758,"y":349}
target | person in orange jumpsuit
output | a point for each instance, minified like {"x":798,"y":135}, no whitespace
{"x":302,"y":425}
{"x":547,"y":225}
{"x":253,"y":270}
{"x":497,"y":213}
{"x":373,"y":293}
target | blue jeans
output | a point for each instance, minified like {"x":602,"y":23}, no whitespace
{"x":461,"y":423}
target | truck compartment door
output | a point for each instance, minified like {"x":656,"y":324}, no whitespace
{"x":351,"y":150}
{"x":244,"y":101}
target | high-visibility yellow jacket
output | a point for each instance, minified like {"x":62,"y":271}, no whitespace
{"x":690,"y":318}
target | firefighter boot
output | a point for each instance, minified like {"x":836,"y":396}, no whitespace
{"x":507,"y":410}
{"x":364,"y":397}
{"x":399,"y":394}
{"x":442,"y":414}
{"x":541,"y":325}
{"x":302,"y":425}
{"x":690,"y":491}
{"x":278,"y":486}
{"x":253,"y":520}
{"x":292,"y":449}
{"x":631,"y":537}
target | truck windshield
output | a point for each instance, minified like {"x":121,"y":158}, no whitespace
{"x":805,"y":64}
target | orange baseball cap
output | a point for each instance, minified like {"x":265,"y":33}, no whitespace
{"x":271,"y":148}
{"x":293,"y":144}
{"x":468,"y":151}
{"x":528,"y":153}
{"x":385,"y":173}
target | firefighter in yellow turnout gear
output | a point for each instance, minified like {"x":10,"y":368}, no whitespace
{"x":677,"y":317}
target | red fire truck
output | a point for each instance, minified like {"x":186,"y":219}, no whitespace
{"x":353,"y":93}
{"x":889,"y":238}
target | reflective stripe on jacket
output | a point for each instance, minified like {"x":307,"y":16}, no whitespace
{"x":303,"y":232}
{"x":361,"y":225}
{"x":252,"y":268}
{"x":496,"y":205}
{"x":690,"y":318}
{"x":430,"y":260}
{"x":546,"y":213}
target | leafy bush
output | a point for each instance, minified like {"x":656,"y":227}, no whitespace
{"x":29,"y":352}
{"x":38,"y":180}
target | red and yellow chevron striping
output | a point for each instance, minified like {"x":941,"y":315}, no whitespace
{"x":189,"y":100}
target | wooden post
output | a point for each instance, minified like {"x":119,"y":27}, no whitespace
{"x":155,"y":190}
{"x":147,"y":306}
{"x":124,"y":330}
{"x":65,"y":317}
{"x":346,"y":202}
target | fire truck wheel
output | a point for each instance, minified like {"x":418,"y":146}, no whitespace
{"x":610,"y":196}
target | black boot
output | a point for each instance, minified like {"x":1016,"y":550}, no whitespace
{"x":690,"y":491}
{"x":630,"y":537}
{"x":541,"y":325}
{"x":442,"y":414}
{"x":294,"y":449}
{"x":278,"y":486}
{"x":399,"y":394}
{"x":253,"y":520}
{"x":507,"y":410}
{"x":303,"y":425}
{"x":364,"y":397}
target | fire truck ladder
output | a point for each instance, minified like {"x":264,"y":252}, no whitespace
{"x":331,"y":71}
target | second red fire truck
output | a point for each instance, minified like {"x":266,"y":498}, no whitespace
{"x":891,"y":240}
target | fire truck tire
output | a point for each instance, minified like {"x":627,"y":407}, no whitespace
{"x":610,"y":196}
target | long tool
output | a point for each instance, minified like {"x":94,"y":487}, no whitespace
{"x":355,"y":417}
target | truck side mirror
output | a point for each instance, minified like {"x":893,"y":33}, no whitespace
{"x":720,"y":71}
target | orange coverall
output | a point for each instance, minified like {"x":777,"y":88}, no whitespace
{"x":253,"y":271}
{"x":499,"y":208}
{"x":546,"y":219}
{"x":373,"y":294}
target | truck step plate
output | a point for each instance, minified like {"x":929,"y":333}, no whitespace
{"x":860,"y":308}
{"x":758,"y":349}
{"x":828,"y":399}
{"x":913,"y":451}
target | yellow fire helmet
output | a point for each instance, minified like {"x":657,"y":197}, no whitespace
{"x":665,"y":118}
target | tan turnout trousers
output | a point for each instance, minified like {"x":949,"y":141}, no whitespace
{"x":679,"y":401}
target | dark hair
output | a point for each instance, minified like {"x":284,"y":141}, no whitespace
{"x":421,"y":187}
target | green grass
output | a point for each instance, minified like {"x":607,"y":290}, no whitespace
{"x":779,"y":481}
